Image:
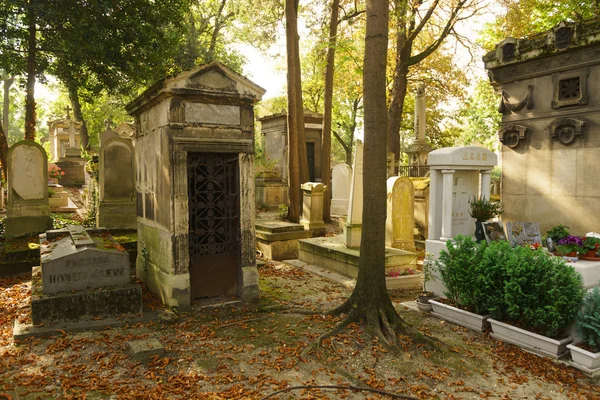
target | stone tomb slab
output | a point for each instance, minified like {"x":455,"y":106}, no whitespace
{"x":75,"y":259}
{"x":278,"y":240}
{"x":523,"y":233}
{"x":494,"y":231}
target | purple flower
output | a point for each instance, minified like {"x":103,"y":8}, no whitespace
{"x":571,"y":240}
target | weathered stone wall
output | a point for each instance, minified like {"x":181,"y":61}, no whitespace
{"x":550,"y":127}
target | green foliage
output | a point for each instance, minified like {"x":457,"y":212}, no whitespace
{"x":587,"y":322}
{"x":458,"y":267}
{"x":483,"y":210}
{"x":591,"y":243}
{"x":558,"y":232}
{"x":542,"y":294}
{"x":283,"y":211}
{"x":90,"y":218}
{"x":529,"y":288}
{"x":61,"y":221}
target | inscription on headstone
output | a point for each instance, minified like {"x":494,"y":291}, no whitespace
{"x":523,"y":233}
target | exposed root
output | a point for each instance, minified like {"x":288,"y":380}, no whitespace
{"x":344,"y":308}
{"x":350,"y":318}
{"x":344,"y":387}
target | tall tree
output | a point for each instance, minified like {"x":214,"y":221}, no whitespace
{"x":297,"y":160}
{"x":410,"y":22}
{"x":370,"y":302}
{"x":328,"y":109}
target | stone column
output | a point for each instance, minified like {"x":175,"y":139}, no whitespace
{"x":312,"y":207}
{"x":420,"y":114}
{"x":433,"y":230}
{"x":448,"y":180}
{"x":72,"y":135}
{"x":353,"y":226}
{"x":485,"y":177}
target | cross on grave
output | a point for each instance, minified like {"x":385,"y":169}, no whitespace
{"x":459,"y":198}
{"x":68,"y":110}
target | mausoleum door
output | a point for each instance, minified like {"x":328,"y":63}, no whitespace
{"x":310,"y":156}
{"x":214,"y":230}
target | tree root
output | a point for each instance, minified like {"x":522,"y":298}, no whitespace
{"x":346,"y":387}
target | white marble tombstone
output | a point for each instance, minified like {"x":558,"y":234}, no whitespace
{"x":341,"y":181}
{"x":27,"y":209}
{"x":353,"y":226}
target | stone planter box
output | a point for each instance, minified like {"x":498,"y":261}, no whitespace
{"x":424,"y":307}
{"x":530,"y":341}
{"x":410,"y":282}
{"x":585,"y":361}
{"x":460,"y":317}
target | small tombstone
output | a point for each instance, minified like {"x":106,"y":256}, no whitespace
{"x":494,"y":231}
{"x":117,"y":201}
{"x":312,"y":207}
{"x":340,"y":189}
{"x":400,"y":222}
{"x":523,"y":233}
{"x":27,"y":209}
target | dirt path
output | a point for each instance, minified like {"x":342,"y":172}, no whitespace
{"x":243,"y":352}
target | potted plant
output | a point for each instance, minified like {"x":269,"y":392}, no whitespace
{"x":554,"y":234}
{"x":465,"y":304}
{"x":483,"y":210}
{"x":423,"y":298}
{"x":586,"y":354}
{"x":589,"y":248}
{"x":541,"y":295}
{"x":569,"y":246}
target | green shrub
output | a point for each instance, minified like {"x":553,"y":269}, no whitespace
{"x":541,"y":294}
{"x":493,"y":276}
{"x":483,"y":210}
{"x":458,"y":267}
{"x":588,"y":319}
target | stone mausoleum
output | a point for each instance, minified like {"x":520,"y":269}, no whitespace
{"x":550,"y":130}
{"x":195,"y":185}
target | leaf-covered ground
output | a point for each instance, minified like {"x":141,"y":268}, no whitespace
{"x":249,"y":352}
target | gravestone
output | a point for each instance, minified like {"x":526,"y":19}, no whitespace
{"x":457,"y":174}
{"x":117,"y":198}
{"x":312,"y":208}
{"x":84,"y":274}
{"x":494,"y":231}
{"x":353,"y":225}
{"x":400,"y":221}
{"x":341,"y":180}
{"x":523,"y":233}
{"x":194,"y":152}
{"x":72,"y":164}
{"x":27,"y":208}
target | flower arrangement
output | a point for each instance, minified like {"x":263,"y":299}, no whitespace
{"x":569,"y":244}
{"x":483,"y":210}
{"x":395,"y":274}
{"x":590,"y":243}
{"x":54,"y":171}
{"x":557,"y":232}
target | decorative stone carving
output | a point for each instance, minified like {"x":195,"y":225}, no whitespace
{"x":506,"y":50}
{"x":516,"y":107}
{"x":570,"y":88}
{"x":566,"y":130}
{"x":562,"y":36}
{"x":510,"y":135}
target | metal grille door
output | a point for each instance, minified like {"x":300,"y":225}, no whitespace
{"x":214,"y":231}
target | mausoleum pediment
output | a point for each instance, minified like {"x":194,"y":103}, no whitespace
{"x":462,"y":157}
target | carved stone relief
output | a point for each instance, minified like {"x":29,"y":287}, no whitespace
{"x":506,"y":105}
{"x":566,"y":130}
{"x":511,"y":134}
{"x":570,"y":88}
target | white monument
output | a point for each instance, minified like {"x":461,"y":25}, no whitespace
{"x":353,"y":226}
{"x":341,"y":180}
{"x":457,"y":174}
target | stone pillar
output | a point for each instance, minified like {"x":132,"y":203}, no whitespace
{"x":485,"y":177}
{"x":448,"y":181}
{"x":434,"y":228}
{"x":353,"y":226}
{"x":312,"y":207}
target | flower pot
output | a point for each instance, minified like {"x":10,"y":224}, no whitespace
{"x":584,"y":360}
{"x":530,"y":341}
{"x":460,"y":317}
{"x":479,"y":232}
{"x":423,"y":302}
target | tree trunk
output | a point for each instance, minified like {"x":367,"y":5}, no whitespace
{"x":297,"y":162}
{"x":370,"y":302}
{"x":3,"y":153}
{"x":8,"y":81}
{"x":31,"y":71}
{"x":398,"y":95}
{"x":327,"y":111}
{"x":78,"y":116}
